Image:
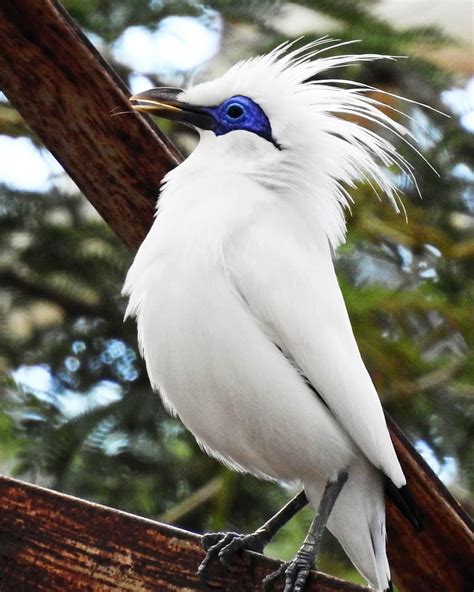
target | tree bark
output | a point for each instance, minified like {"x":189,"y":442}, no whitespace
{"x":441,"y":557}
{"x":66,"y":91}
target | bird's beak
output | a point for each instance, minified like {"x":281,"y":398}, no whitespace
{"x":163,"y":102}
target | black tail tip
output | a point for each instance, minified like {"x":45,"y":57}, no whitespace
{"x":412,"y":511}
{"x":404,"y":501}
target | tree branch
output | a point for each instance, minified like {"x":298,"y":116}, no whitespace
{"x":66,"y":92}
{"x":441,"y":556}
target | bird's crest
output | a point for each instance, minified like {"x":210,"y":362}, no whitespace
{"x":305,"y":110}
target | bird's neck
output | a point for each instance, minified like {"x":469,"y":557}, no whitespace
{"x":267,"y":178}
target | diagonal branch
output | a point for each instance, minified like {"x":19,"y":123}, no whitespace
{"x":65,"y":91}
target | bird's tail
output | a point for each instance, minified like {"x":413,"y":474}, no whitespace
{"x":358,"y":523}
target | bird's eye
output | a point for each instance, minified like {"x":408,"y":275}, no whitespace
{"x":234,"y":111}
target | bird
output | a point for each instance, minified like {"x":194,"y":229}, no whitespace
{"x":240,"y":317}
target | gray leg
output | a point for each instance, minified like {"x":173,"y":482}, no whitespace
{"x":297,"y":571}
{"x":224,"y":545}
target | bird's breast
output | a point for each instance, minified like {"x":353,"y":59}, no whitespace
{"x":217,"y":370}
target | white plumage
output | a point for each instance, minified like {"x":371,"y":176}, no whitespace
{"x":236,"y":297}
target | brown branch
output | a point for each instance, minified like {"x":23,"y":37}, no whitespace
{"x":50,"y":541}
{"x":441,"y":556}
{"x":65,"y":92}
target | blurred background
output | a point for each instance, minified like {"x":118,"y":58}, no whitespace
{"x":76,"y":410}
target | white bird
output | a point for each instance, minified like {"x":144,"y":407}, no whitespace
{"x":241,"y":320}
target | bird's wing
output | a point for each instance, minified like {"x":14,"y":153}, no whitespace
{"x":291,"y":288}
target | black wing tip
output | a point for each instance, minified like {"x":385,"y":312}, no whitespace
{"x":415,"y":516}
{"x":404,"y":501}
{"x":390,"y":587}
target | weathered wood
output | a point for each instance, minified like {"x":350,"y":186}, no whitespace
{"x":51,"y":542}
{"x":441,"y":557}
{"x":66,"y":91}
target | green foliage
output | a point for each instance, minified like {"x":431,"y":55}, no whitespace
{"x":99,"y":432}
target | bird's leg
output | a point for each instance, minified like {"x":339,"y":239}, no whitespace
{"x":297,"y":570}
{"x":224,"y":545}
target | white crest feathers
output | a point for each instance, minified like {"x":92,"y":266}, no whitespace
{"x":289,"y":85}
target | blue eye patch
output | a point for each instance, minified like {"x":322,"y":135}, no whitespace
{"x":241,"y":113}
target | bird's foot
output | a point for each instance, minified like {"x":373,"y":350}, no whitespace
{"x":269,"y":580}
{"x":296,"y":572}
{"x":224,"y":545}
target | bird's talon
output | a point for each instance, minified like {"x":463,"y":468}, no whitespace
{"x":224,"y":546}
{"x":209,"y":540}
{"x":269,"y":580}
{"x":226,"y":554}
{"x":202,"y":569}
{"x":225,"y":559}
{"x":297,"y":573}
{"x":212,"y":551}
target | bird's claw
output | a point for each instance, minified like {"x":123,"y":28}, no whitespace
{"x":296,"y":573}
{"x":298,"y":570}
{"x":268,"y":581}
{"x":210,"y":539}
{"x":223,"y":546}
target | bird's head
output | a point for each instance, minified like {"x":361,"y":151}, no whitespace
{"x":276,"y":118}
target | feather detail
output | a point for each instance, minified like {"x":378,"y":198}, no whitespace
{"x":288,"y":84}
{"x":238,"y":261}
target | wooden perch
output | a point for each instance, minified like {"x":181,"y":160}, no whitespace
{"x":65,"y":91}
{"x":51,"y":542}
{"x":441,"y":557}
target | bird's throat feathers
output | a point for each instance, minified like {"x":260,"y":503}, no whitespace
{"x":240,"y":187}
